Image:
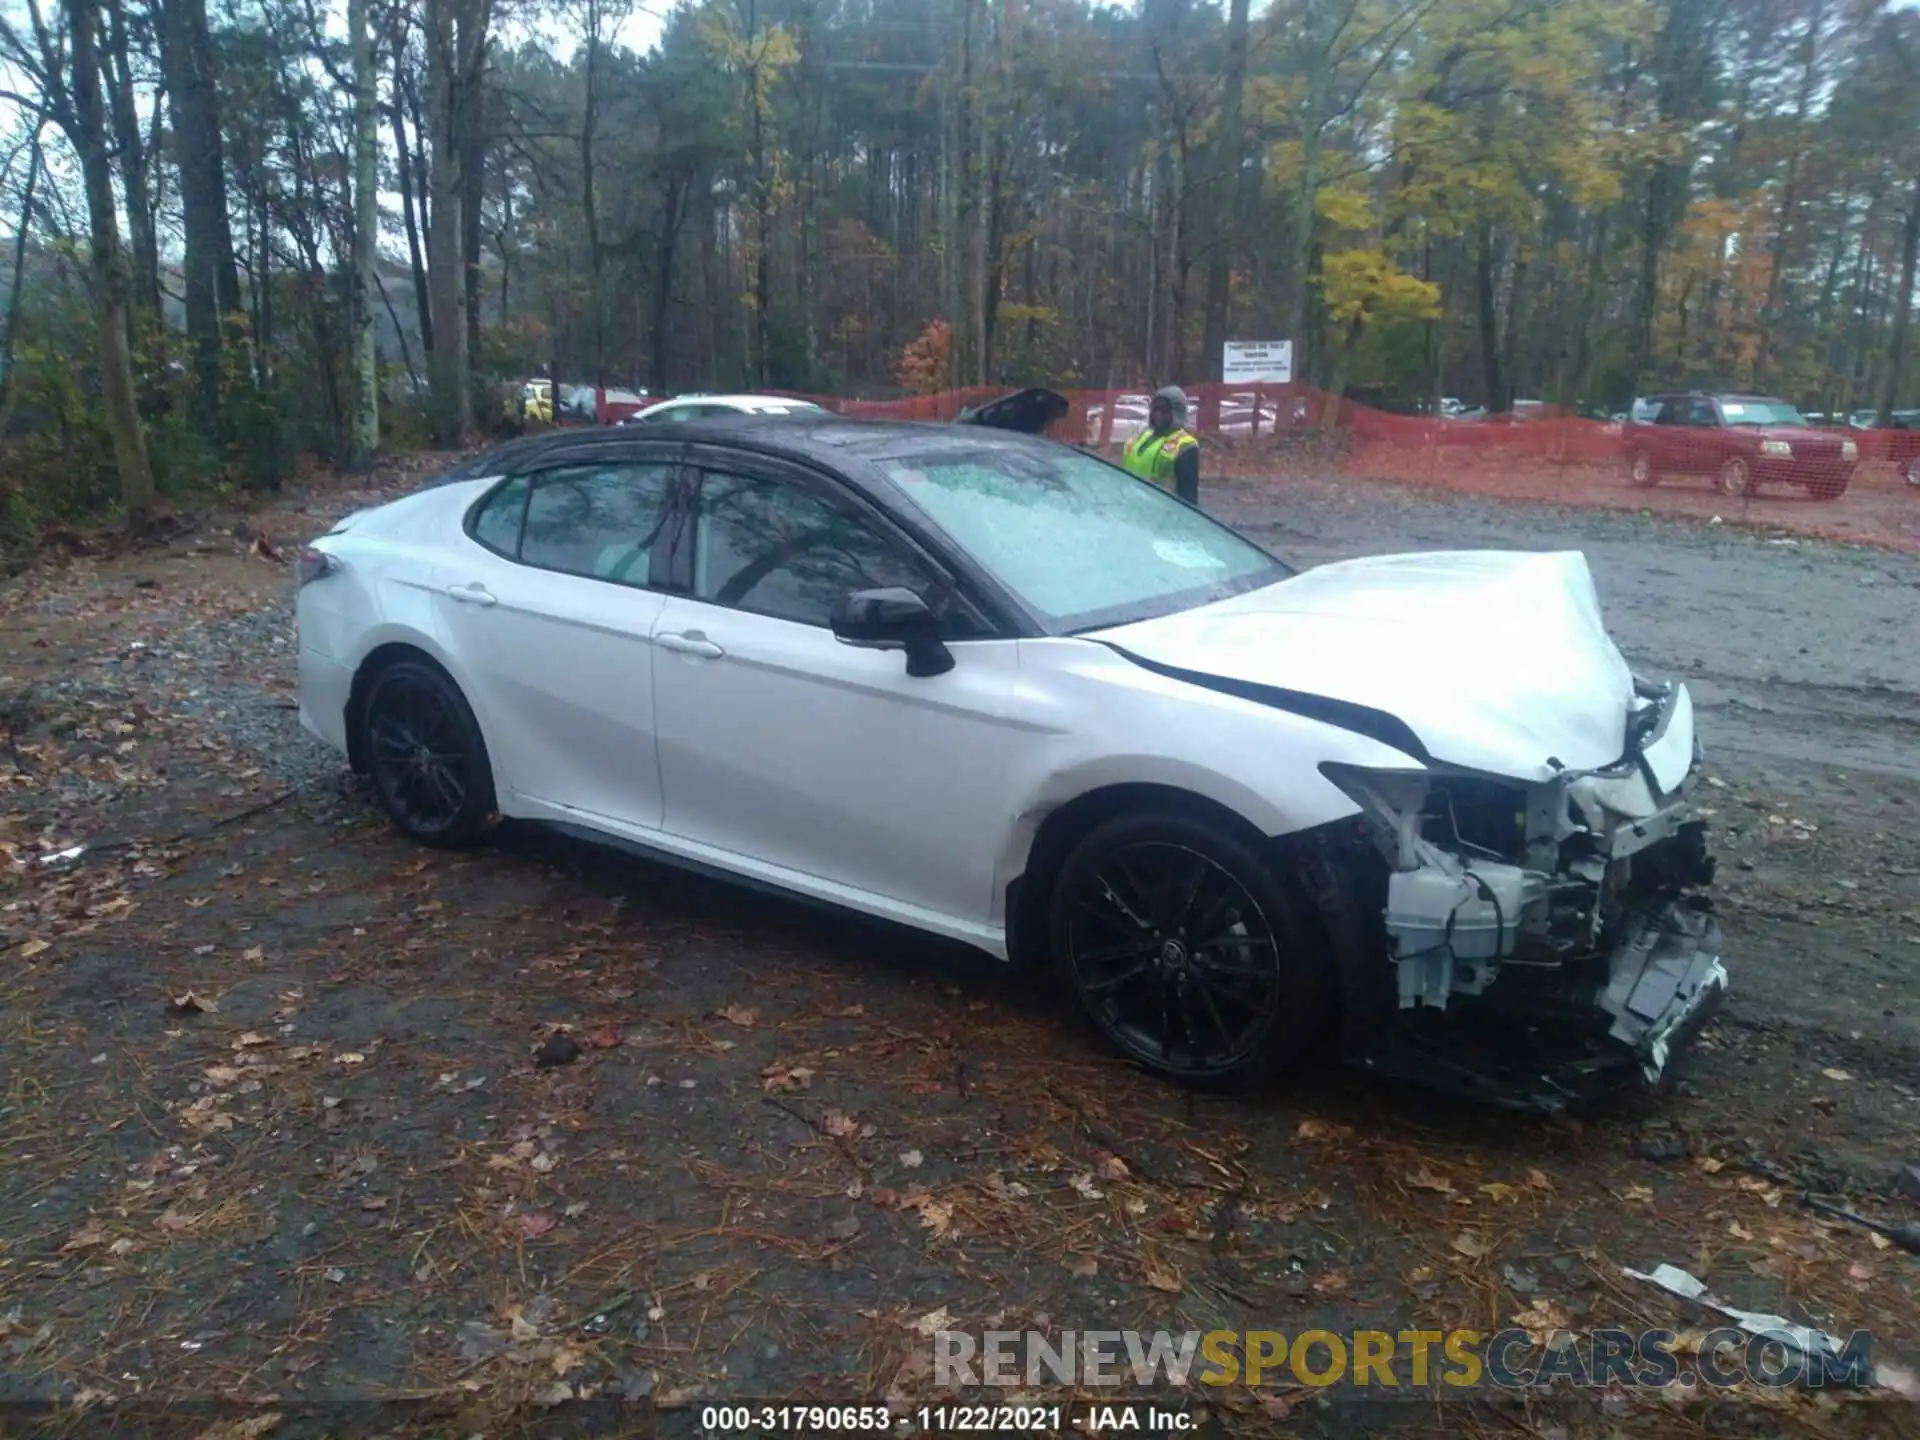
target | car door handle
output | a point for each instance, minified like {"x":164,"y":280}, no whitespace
{"x":474,"y":594}
{"x":693,"y":643}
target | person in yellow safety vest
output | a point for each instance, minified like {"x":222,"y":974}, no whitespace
{"x":1166,"y":452}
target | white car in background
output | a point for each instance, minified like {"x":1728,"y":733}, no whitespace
{"x":708,"y":407}
{"x":998,"y":690}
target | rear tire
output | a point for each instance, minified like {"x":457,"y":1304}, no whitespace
{"x":1736,"y":478}
{"x":426,"y":756}
{"x":1185,"y":951}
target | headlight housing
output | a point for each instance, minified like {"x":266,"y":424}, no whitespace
{"x":1849,"y":450}
{"x":1778,"y":448}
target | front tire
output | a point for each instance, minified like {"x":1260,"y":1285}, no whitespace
{"x":1642,"y":472}
{"x":426,"y":755}
{"x":1736,"y":478}
{"x":1184,"y":950}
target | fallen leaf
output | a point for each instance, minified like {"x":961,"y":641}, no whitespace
{"x":1334,"y":1282}
{"x":172,"y":1220}
{"x":744,"y":1016}
{"x":221,"y":1074}
{"x":1542,"y":1320}
{"x":1637,"y":1194}
{"x":1112,"y":1167}
{"x":1279,"y":1407}
{"x":1499,"y":1193}
{"x":1469,"y":1244}
{"x":776,"y":1078}
{"x":536,"y":1223}
{"x":350,"y":1057}
{"x":374,"y":1202}
{"x":544,"y":1162}
{"x":936,"y":1216}
{"x":838,"y":1124}
{"x":1085,"y":1266}
{"x":1425,"y":1179}
{"x":88,"y":1237}
{"x":575,"y":1210}
{"x":1710,"y":1166}
{"x":1085,"y":1186}
{"x":605,"y":1038}
{"x":33,"y":947}
{"x":1419,"y":1275}
{"x":1879,"y":1241}
{"x":557,"y":1393}
{"x":1537,"y":1180}
{"x":1860,"y":1271}
{"x":1161,"y":1277}
{"x":252,"y":1040}
{"x":1833,"y":1074}
{"x":1315,"y":1130}
{"x":933,"y":1322}
{"x":191,"y":1004}
{"x":911,"y":1159}
{"x":1738,"y":1231}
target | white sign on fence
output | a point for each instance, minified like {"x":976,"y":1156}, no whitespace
{"x":1257,"y":362}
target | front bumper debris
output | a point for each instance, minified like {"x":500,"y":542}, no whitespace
{"x":1663,"y":983}
{"x":1543,"y":942}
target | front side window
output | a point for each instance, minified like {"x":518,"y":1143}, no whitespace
{"x":773,"y":549}
{"x":1082,"y":544}
{"x":599,"y":521}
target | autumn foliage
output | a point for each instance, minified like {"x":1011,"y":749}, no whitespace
{"x":926,"y":365}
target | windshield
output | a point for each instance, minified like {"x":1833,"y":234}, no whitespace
{"x":1082,"y":544}
{"x":1760,"y":412}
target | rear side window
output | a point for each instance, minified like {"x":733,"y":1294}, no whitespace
{"x":597,"y":521}
{"x":496,"y":524}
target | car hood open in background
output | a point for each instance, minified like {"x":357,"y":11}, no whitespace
{"x":1027,"y":411}
{"x":1497,"y":661}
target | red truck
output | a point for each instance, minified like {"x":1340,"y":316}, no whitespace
{"x":1740,"y":441}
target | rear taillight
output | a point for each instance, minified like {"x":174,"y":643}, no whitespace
{"x":313,"y":564}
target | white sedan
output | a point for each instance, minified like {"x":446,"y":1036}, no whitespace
{"x":709,"y":407}
{"x":996,"y":689}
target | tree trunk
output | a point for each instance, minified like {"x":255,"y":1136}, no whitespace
{"x":108,"y":264}
{"x":11,"y":320}
{"x":446,"y":281}
{"x":412,"y":190}
{"x":134,"y":169}
{"x":1227,"y":205}
{"x":363,"y":429}
{"x":1902,"y":312}
{"x":589,"y":201}
{"x":1489,"y":319}
{"x":473,"y":176}
{"x":670,"y":216}
{"x":212,"y":280}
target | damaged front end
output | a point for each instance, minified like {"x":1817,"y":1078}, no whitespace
{"x":1542,"y":941}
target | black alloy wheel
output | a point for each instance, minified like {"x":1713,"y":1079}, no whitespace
{"x":428,"y":760}
{"x":1185,"y":951}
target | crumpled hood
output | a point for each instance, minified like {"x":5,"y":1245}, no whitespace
{"x":1497,"y":660}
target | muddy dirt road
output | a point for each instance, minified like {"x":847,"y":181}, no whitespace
{"x":273,"y":1133}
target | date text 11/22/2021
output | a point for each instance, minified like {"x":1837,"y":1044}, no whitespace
{"x":833,"y":1420}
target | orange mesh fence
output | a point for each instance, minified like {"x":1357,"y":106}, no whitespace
{"x":1260,"y":436}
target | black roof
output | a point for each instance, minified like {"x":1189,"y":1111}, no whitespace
{"x":823,"y":439}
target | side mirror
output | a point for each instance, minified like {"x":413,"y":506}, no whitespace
{"x":893,"y":618}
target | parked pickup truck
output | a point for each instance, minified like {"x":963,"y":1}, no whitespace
{"x":1740,"y":441}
